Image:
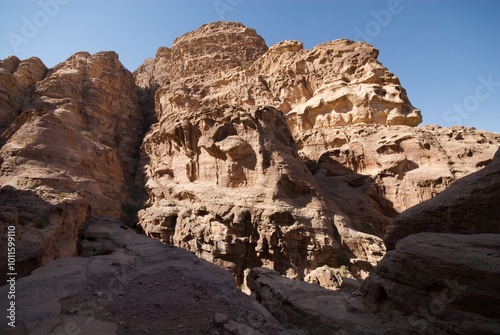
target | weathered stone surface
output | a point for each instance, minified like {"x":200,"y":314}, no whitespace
{"x":214,"y":49}
{"x":468,"y":206}
{"x":445,"y":283}
{"x":210,"y":155}
{"x":317,"y":310}
{"x":125,"y":281}
{"x":16,"y":80}
{"x":225,"y":63}
{"x":230,"y":186}
{"x":79,"y":133}
{"x":221,"y":157}
{"x":44,"y":231}
{"x":374,"y":172}
{"x":73,"y":147}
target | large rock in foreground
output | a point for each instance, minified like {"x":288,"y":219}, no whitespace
{"x":445,"y":259}
{"x":451,"y":281}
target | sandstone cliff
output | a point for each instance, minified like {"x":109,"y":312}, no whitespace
{"x":17,"y":79}
{"x":231,"y":179}
{"x":74,"y":144}
{"x":249,"y":156}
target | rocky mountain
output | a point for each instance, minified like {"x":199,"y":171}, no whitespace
{"x":73,"y":146}
{"x":287,"y":158}
{"x":250,"y":157}
{"x":445,"y":258}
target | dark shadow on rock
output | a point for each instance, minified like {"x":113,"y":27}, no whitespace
{"x":43,"y":231}
{"x":372,"y":212}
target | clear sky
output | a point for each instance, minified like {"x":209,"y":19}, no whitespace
{"x":445,"y":52}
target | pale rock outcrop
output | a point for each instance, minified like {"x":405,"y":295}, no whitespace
{"x":16,"y":81}
{"x":215,"y":49}
{"x":468,"y":206}
{"x":225,"y":63}
{"x":126,"y":283}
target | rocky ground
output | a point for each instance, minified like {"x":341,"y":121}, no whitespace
{"x":125,"y":283}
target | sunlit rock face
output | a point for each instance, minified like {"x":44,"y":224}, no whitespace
{"x":69,"y":149}
{"x":223,"y":172}
{"x":284,"y":157}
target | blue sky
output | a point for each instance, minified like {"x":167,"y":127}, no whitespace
{"x":445,"y":52}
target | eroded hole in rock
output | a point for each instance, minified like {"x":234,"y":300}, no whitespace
{"x":282,"y":218}
{"x":224,"y":131}
{"x":389,"y":149}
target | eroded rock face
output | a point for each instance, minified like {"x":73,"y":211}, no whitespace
{"x":124,"y":278}
{"x":222,"y":156}
{"x":225,"y":63}
{"x":374,"y":172}
{"x":468,"y":206}
{"x":16,"y":80}
{"x":230,"y":186}
{"x":73,"y":149}
{"x":79,"y":133}
{"x":444,"y":258}
{"x":214,"y":49}
{"x":317,"y":310}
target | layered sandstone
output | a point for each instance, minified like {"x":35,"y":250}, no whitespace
{"x":17,"y":79}
{"x":222,"y":155}
{"x":122,"y":281}
{"x":468,"y":206}
{"x":252,"y":156}
{"x":444,"y":257}
{"x":450,"y":279}
{"x":230,"y":186}
{"x":73,"y":149}
{"x":375,"y":172}
{"x":223,"y":173}
{"x":335,"y":84}
{"x":317,"y":310}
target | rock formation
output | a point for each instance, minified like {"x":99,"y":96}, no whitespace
{"x":17,"y":79}
{"x":444,"y":257}
{"x":73,"y":145}
{"x":248,"y":156}
{"x":468,"y":206}
{"x":448,"y":294}
{"x":317,"y":310}
{"x":126,"y":283}
{"x":231,"y":179}
{"x":374,"y":172}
